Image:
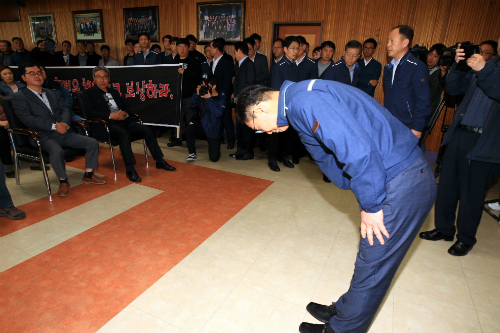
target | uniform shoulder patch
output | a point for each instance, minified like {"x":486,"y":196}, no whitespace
{"x":412,"y":62}
{"x":282,"y":63}
{"x":310,"y":60}
{"x":315,"y":126}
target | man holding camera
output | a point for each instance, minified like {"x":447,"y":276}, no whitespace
{"x":472,"y":158}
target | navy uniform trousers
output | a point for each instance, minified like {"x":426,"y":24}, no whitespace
{"x":410,"y":197}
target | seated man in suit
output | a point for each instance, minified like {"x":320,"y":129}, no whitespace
{"x":43,"y":111}
{"x":104,"y":102}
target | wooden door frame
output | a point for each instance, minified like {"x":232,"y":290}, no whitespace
{"x":277,"y":25}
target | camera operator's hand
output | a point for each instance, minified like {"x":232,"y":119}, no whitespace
{"x":373,"y":223}
{"x":460,"y":54}
{"x":444,"y":70}
{"x":417,"y":133}
{"x":207,"y":95}
{"x":181,"y":70}
{"x":373,"y":82}
{"x":198,"y":90}
{"x":476,"y":62}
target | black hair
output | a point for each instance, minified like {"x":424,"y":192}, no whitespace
{"x":212,"y":79}
{"x":243,"y":46}
{"x":250,"y":41}
{"x":493,"y":44}
{"x":40,"y":41}
{"x":105,"y":47}
{"x":90,"y":43}
{"x":371,"y":40}
{"x":171,"y":39}
{"x":184,"y":41}
{"x":279,"y":40}
{"x":191,"y":38}
{"x":155,"y":46}
{"x":22,"y":67}
{"x":317,"y":49}
{"x":174,"y":40}
{"x":354,"y":44}
{"x":6,"y":42}
{"x":143,"y":34}
{"x":50,"y":40}
{"x":306,"y":43}
{"x":256,"y":36}
{"x":407,"y":32}
{"x":439,"y":48}
{"x":167,"y":37}
{"x":14,"y":38}
{"x":129,"y":41}
{"x":250,"y":96}
{"x":329,"y":44}
{"x":289,"y":40}
{"x":66,"y":41}
{"x":81,"y":41}
{"x":302,"y":40}
{"x":219,"y":44}
{"x":206,"y":47}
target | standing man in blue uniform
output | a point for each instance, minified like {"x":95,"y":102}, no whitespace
{"x":308,"y":70}
{"x":146,"y":56}
{"x":360,"y":146}
{"x":281,"y":144}
{"x":369,"y":68}
{"x":406,"y":82}
{"x":346,"y":70}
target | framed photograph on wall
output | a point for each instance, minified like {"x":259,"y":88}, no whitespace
{"x":224,"y":19}
{"x":42,"y":26}
{"x":141,"y":19}
{"x":87,"y":25}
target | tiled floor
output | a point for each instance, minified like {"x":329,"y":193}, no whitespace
{"x":219,"y":247}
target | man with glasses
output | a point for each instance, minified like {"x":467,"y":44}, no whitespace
{"x":146,"y":56}
{"x":346,"y":70}
{"x":128,"y":60}
{"x":43,"y":111}
{"x":488,"y":49}
{"x":102,"y":101}
{"x":369,"y":68}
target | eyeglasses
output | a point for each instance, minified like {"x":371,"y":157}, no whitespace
{"x":34,"y":74}
{"x":104,"y":77}
{"x":485,"y":53}
{"x":294,"y":48}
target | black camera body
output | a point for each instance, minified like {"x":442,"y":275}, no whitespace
{"x":469,"y":49}
{"x":420,"y":52}
{"x":205,"y":89}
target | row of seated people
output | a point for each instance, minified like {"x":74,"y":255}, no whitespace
{"x":39,"y":106}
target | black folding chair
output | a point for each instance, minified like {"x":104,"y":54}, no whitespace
{"x":20,"y":137}
{"x":99,"y":129}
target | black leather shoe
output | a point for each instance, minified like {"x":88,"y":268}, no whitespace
{"x":273,"y":166}
{"x":134,"y":177}
{"x":459,"y":249}
{"x":243,"y":157}
{"x":295,"y":160}
{"x":164,"y":165}
{"x":315,"y":328}
{"x":176,"y":142}
{"x":286,"y":162}
{"x":435,"y":235}
{"x":326,"y":179}
{"x":10,"y":174}
{"x":230,"y":146}
{"x":323,"y":313}
{"x":232,"y":155}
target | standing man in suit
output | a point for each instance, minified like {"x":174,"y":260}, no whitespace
{"x":43,"y":111}
{"x":83,"y":57}
{"x":346,"y":70}
{"x":326,"y":57}
{"x":107,"y":60}
{"x":146,"y":56}
{"x":260,"y":61}
{"x":93,"y":56}
{"x":369,"y":68}
{"x":222,"y":68}
{"x":21,"y":55}
{"x":69,"y":59}
{"x":168,"y":49}
{"x":244,"y":76}
{"x":308,"y":70}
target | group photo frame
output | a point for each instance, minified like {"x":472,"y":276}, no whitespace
{"x":141,"y":19}
{"x":88,"y":25}
{"x":223,"y":19}
{"x":42,"y":26}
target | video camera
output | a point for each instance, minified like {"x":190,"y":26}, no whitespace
{"x":205,"y":88}
{"x":420,"y":52}
{"x":469,"y":49}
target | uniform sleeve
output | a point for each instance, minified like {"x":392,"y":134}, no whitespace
{"x":422,"y":98}
{"x":350,"y":157}
{"x":329,"y":74}
{"x":488,"y":80}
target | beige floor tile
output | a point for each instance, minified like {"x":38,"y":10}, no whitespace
{"x":167,"y":328}
{"x":131,"y":320}
{"x":283,"y":276}
{"x":259,"y":225}
{"x":489,"y":323}
{"x":327,"y":224}
{"x":343,"y":254}
{"x":185,"y":297}
{"x":11,"y":256}
{"x":435,"y":279}
{"x":250,"y":311}
{"x":437,"y":251}
{"x":485,"y":291}
{"x":483,"y":258}
{"x":415,"y":312}
{"x":350,"y":226}
{"x":302,"y":243}
{"x":269,"y":209}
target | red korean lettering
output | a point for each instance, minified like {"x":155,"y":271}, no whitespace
{"x":130,"y":89}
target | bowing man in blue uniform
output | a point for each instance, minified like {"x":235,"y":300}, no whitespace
{"x":361,"y":147}
{"x":146,"y":56}
{"x":346,"y":70}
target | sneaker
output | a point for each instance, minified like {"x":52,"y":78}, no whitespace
{"x":495,"y":206}
{"x":192,"y":157}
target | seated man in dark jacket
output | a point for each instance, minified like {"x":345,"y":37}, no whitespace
{"x":208,"y":123}
{"x":104,"y":102}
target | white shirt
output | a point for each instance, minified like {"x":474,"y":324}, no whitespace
{"x":278,"y":60}
{"x":299,"y":61}
{"x":215,"y":62}
{"x":367,"y":62}
{"x":394,"y":67}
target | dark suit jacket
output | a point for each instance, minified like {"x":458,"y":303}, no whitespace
{"x":224,"y":74}
{"x":244,"y":76}
{"x":73,"y":60}
{"x":96,"y":106}
{"x":34,"y":114}
{"x":46,"y":58}
{"x":261,"y":68}
{"x":368,"y":73}
{"x":93,"y":60}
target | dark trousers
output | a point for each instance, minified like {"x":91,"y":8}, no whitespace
{"x":227,"y":120}
{"x":5,"y":153}
{"x":186,"y":114}
{"x":244,"y":137}
{"x":5,"y":198}
{"x":410,"y":196}
{"x":56,"y":143}
{"x":196,"y":131}
{"x":123,"y":131}
{"x":465,"y":180}
{"x":281,"y":145}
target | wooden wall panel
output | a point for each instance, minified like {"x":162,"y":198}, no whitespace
{"x":444,"y":21}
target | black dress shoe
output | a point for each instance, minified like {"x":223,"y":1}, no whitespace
{"x":435,"y":235}
{"x":134,"y":177}
{"x":459,"y":249}
{"x":315,"y":328}
{"x":10,"y":174}
{"x":323,"y":313}
{"x":326,"y":179}
{"x":176,"y":142}
{"x":286,"y":162}
{"x":295,"y":160}
{"x":164,"y":165}
{"x":273,"y":166}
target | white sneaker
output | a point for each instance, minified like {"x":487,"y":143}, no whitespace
{"x":495,"y":206}
{"x":192,"y":157}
